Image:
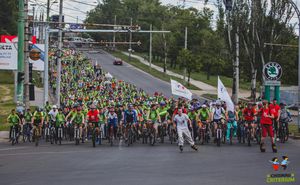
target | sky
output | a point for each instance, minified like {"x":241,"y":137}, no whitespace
{"x":75,"y":10}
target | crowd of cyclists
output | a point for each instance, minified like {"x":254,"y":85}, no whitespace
{"x":99,"y":108}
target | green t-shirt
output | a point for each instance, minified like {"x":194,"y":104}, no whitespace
{"x":60,"y":119}
{"x":28,"y":117}
{"x":192,"y":116}
{"x":38,"y":116}
{"x":203,"y":114}
{"x":153,"y":115}
{"x":13,"y":119}
{"x":78,"y":117}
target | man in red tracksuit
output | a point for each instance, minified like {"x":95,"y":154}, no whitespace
{"x":267,"y":116}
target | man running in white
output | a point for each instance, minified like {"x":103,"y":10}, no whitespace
{"x":182,"y":121}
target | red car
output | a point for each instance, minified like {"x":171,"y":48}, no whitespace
{"x":118,"y":61}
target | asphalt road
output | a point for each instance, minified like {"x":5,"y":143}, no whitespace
{"x":130,"y":74}
{"x":140,"y":164}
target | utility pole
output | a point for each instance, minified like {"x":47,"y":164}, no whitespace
{"x":46,"y":70}
{"x":185,"y":47}
{"x":114,"y":38}
{"x":48,"y":9}
{"x":165,"y":51}
{"x":59,"y":52}
{"x":236,"y":67}
{"x":130,"y":39}
{"x":150,"y":48}
{"x":26,"y":58}
{"x":21,"y":25}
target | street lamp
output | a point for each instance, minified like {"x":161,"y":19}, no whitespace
{"x":298,"y":14}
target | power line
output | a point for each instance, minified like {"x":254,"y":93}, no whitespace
{"x":84,"y":3}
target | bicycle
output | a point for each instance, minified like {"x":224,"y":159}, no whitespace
{"x":258,"y":134}
{"x":152,"y":135}
{"x":70,"y":131}
{"x":47,"y":132}
{"x":27,"y":133}
{"x":77,"y":135}
{"x":172,"y":133}
{"x":52,"y":134}
{"x":283,"y":132}
{"x":161,"y":132}
{"x":241,"y":132}
{"x":111,"y":135}
{"x":248,"y":133}
{"x":36,"y":134}
{"x":95,"y":135}
{"x":60,"y":134}
{"x":203,"y":133}
{"x":14,"y":135}
{"x":230,"y":133}
{"x":219,"y":133}
{"x":145,"y":134}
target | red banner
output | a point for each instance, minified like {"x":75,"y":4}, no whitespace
{"x":14,"y":38}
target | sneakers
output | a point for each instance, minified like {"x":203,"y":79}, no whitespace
{"x":262,"y":147}
{"x":181,"y":148}
{"x":274,"y":148}
{"x":194,"y":147}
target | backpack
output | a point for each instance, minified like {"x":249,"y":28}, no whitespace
{"x":284,"y":116}
{"x":231,"y":116}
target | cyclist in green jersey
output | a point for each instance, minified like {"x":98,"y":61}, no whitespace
{"x":60,"y":118}
{"x":153,"y":117}
{"x":13,"y":120}
{"x":204,"y":116}
{"x":78,"y":120}
{"x":27,"y":119}
{"x":37,"y":120}
{"x":47,"y":107}
{"x":193,"y":117}
{"x":28,"y":116}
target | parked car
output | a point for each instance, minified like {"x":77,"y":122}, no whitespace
{"x":118,"y":61}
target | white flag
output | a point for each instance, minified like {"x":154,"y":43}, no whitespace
{"x":224,"y":96}
{"x":108,"y":75}
{"x":179,"y":90}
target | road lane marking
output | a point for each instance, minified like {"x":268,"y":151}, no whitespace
{"x":5,"y":149}
{"x":39,"y":153}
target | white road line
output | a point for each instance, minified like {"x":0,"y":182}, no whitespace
{"x":15,"y":148}
{"x":39,"y":153}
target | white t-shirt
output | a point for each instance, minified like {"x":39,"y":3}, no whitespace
{"x":53,"y":114}
{"x":218,"y":112}
{"x":181,"y":120}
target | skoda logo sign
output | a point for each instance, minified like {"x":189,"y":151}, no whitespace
{"x":272,"y":71}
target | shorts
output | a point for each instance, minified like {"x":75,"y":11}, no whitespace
{"x":95,"y":124}
{"x":267,"y":129}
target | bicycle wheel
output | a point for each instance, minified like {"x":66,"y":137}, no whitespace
{"x":219,"y":135}
{"x":94,"y":137}
{"x":231,"y":134}
{"x":249,"y":137}
{"x":36,"y":137}
{"x":111,"y":136}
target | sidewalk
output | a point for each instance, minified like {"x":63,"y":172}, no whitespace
{"x":205,"y":88}
{"x":4,"y":136}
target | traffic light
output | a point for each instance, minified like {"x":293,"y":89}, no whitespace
{"x":20,"y":77}
{"x":228,"y":5}
{"x":30,"y":72}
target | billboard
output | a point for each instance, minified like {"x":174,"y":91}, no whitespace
{"x":9,"y":57}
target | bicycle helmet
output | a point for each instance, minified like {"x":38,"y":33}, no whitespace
{"x":162,"y":103}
